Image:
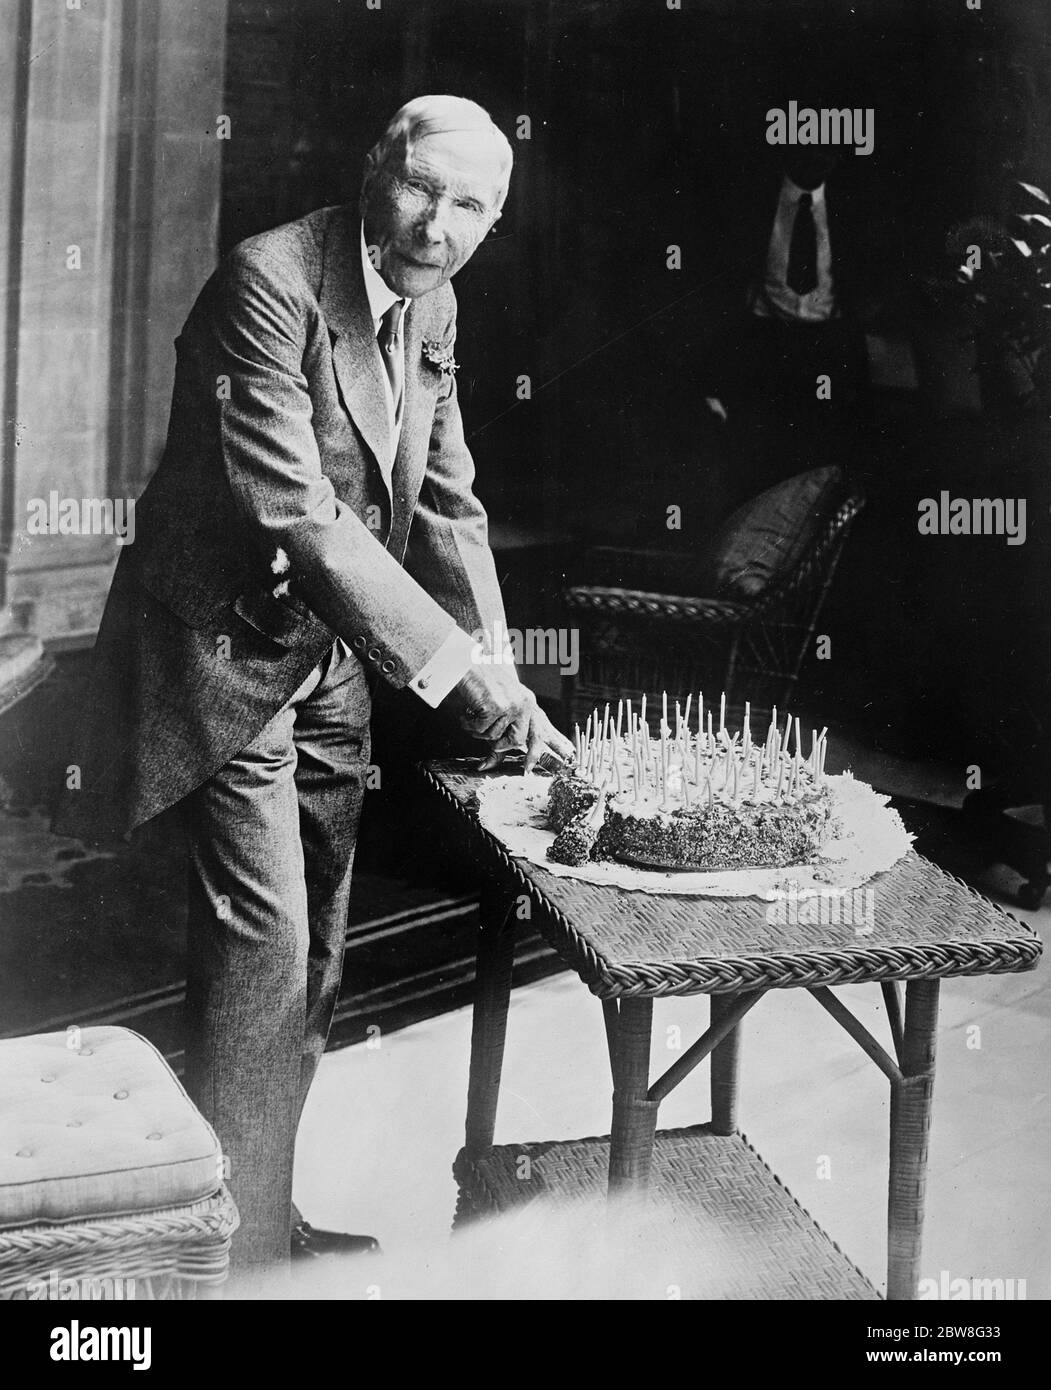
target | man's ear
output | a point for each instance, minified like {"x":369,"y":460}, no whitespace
{"x":368,"y":174}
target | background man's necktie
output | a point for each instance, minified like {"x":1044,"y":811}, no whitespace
{"x":393,"y":359}
{"x":802,"y":253}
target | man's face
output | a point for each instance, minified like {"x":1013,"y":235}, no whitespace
{"x":428,"y":217}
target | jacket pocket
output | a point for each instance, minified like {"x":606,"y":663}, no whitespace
{"x":196,"y":605}
{"x":285,"y":621}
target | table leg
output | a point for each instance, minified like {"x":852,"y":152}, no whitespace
{"x":725,"y":1060}
{"x":910,"y":1120}
{"x":634,"y":1116}
{"x":496,"y":954}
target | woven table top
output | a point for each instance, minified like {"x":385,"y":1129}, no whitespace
{"x":920,"y":923}
{"x":717,"y":1223}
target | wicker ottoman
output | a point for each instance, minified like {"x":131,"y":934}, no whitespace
{"x":110,"y":1179}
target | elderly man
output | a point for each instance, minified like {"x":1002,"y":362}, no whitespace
{"x":311,"y":530}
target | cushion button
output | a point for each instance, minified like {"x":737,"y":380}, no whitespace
{"x":73,"y":1124}
{"x":154,"y":1135}
{"x":86,"y":1052}
{"x":120,"y":1095}
{"x":47,"y":1077}
{"x":388,"y":666}
{"x":24,"y":1153}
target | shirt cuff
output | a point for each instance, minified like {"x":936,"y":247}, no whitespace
{"x":453,"y":659}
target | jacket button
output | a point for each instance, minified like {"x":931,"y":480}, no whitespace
{"x":358,"y":644}
{"x":387,"y":667}
{"x":374,"y":653}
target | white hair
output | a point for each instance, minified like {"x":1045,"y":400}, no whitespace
{"x":437,"y":115}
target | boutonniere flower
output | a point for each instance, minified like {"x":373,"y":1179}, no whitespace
{"x":439,"y":357}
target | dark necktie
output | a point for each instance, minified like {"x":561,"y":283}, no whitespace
{"x":393,"y":359}
{"x":802,"y":254}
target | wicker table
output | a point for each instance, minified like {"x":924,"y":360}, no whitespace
{"x":630,"y":948}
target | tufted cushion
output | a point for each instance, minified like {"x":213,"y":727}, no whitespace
{"x":763,"y":541}
{"x":96,"y":1123}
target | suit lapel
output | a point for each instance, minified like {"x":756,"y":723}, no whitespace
{"x":355,"y":353}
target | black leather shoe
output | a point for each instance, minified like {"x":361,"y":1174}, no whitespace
{"x":308,"y":1243}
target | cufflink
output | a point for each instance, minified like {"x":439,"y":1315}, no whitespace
{"x":423,"y":682}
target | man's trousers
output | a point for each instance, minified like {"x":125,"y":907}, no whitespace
{"x":271,"y":845}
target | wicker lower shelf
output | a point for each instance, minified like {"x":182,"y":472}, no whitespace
{"x":717,"y":1223}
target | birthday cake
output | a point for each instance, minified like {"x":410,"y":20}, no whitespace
{"x":698,"y":799}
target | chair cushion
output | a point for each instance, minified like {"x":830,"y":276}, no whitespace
{"x":764,"y":540}
{"x":93,"y":1123}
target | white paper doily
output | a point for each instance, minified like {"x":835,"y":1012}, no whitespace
{"x":869,"y":840}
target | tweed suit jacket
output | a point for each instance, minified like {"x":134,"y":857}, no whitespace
{"x":277,"y":468}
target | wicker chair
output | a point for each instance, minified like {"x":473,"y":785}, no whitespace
{"x":110,"y":1179}
{"x":635,"y":640}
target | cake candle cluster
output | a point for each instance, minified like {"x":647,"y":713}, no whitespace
{"x":694,"y":795}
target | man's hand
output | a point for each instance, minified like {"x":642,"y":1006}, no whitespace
{"x":493,"y":704}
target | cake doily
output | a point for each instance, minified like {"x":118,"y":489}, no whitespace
{"x":868,"y":838}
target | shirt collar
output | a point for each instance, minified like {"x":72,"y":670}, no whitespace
{"x":792,"y":192}
{"x":380,"y":294}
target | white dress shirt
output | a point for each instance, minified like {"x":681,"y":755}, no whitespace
{"x":775,"y":298}
{"x":455,"y":656}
